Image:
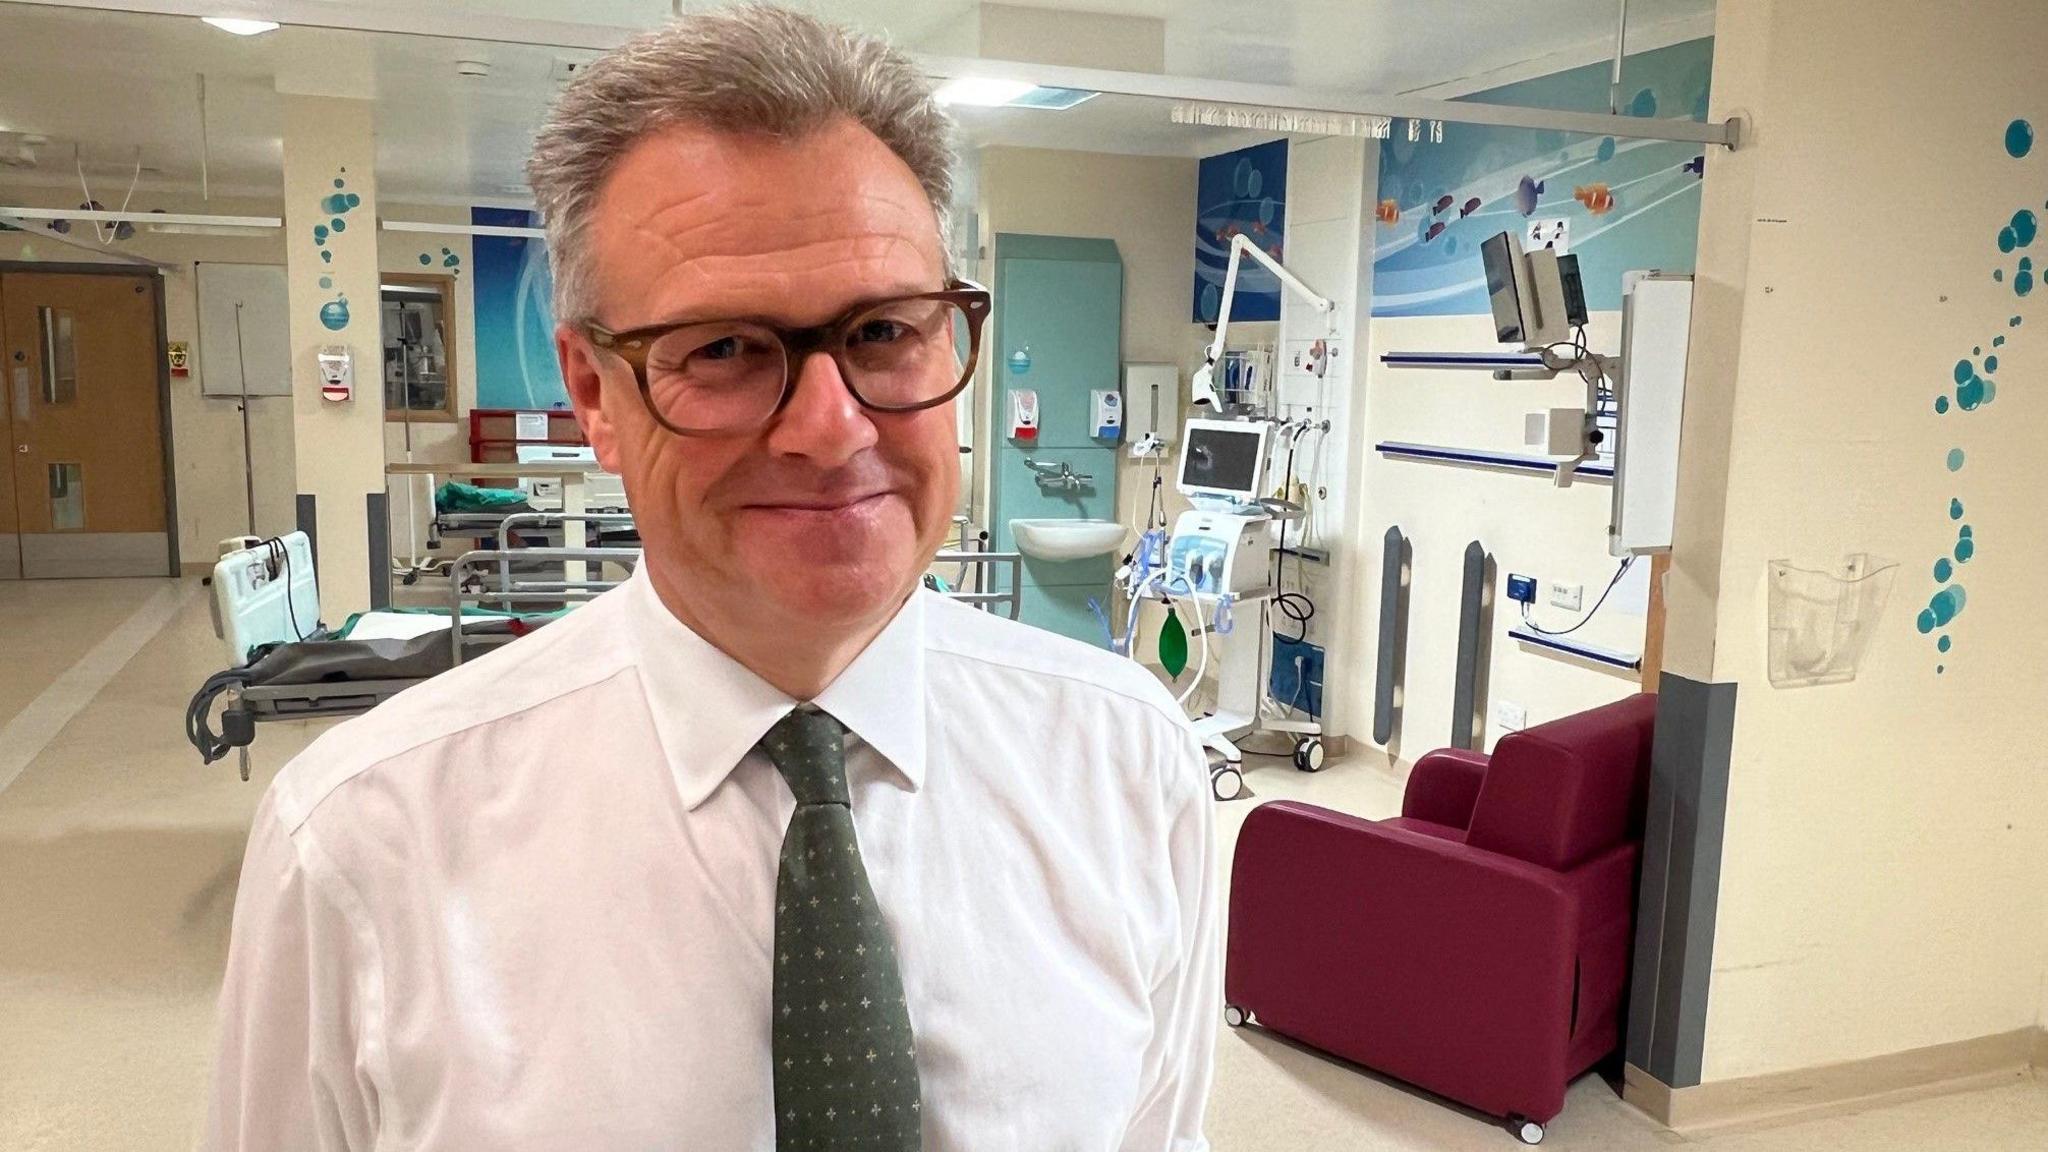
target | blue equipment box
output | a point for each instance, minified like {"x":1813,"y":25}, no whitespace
{"x":1304,"y":691}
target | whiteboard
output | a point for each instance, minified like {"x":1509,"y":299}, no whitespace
{"x":264,"y":352}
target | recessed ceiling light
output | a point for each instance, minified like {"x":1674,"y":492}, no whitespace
{"x":240,"y":27}
{"x":980,"y":92}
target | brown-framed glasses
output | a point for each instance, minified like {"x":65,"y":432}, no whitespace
{"x":726,"y":377}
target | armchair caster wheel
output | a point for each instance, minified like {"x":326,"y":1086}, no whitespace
{"x":1234,"y":1016}
{"x":1308,"y":754}
{"x":1226,"y":782}
{"x":1527,"y":1131}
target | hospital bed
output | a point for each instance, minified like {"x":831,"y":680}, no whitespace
{"x":283,"y":663}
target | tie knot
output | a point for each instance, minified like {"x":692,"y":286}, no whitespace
{"x":808,"y":748}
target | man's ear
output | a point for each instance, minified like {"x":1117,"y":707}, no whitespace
{"x":586,"y":392}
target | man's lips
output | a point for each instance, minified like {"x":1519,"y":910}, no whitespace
{"x":816,"y":503}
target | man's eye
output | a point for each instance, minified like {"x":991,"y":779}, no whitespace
{"x":723,"y":349}
{"x":881,"y":332}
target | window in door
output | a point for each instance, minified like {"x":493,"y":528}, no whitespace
{"x":60,"y":354}
{"x":67,"y":497}
{"x":418,"y":315}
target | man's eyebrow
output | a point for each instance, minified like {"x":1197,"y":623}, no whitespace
{"x":865,"y":301}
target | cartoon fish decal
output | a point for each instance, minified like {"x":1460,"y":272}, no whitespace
{"x":1389,"y":212}
{"x":1440,"y":205}
{"x":1697,"y":166}
{"x":1527,"y":194}
{"x":1470,"y":207}
{"x":1435,"y":230}
{"x":1598,"y":198}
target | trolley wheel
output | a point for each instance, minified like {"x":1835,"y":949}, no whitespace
{"x":1527,"y":1131}
{"x":1226,"y":782}
{"x":1234,"y":1016}
{"x":1308,"y":754}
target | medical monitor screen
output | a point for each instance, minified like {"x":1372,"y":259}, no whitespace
{"x":1223,"y":458}
{"x":1500,"y":254}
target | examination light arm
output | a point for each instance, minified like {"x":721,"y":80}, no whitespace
{"x":1204,"y":384}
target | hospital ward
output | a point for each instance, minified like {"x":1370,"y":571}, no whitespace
{"x":1024,"y":576}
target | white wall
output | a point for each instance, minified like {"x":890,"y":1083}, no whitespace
{"x":1526,"y":523}
{"x":1884,"y":884}
{"x":206,"y":432}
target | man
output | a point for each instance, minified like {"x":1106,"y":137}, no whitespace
{"x":766,"y":849}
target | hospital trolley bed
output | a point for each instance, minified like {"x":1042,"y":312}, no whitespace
{"x":284,"y":664}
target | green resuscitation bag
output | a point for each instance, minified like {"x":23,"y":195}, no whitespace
{"x":1173,"y":645}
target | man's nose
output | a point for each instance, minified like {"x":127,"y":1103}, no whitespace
{"x":822,"y":421}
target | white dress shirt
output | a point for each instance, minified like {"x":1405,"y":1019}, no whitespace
{"x":529,"y":904}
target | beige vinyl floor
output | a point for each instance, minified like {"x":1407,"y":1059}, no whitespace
{"x":118,"y":859}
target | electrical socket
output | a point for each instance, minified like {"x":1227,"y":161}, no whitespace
{"x":1509,"y":716}
{"x":1566,"y":596}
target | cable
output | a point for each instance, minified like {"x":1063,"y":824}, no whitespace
{"x":280,"y":550}
{"x":1590,"y":613}
{"x":212,"y":745}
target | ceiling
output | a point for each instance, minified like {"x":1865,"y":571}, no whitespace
{"x":113,"y":85}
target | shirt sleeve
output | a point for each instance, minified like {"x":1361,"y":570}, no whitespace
{"x":292,"y":1070}
{"x":1187,"y":996}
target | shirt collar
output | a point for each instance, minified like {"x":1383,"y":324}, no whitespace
{"x":710,"y":710}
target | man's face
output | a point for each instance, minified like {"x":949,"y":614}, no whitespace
{"x":828,"y":514}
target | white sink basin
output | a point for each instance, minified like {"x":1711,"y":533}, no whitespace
{"x":1067,"y":539}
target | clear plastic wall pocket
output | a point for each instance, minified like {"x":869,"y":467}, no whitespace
{"x":1822,"y":621}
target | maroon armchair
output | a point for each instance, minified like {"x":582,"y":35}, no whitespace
{"x":1476,"y":946}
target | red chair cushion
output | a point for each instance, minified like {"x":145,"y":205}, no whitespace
{"x":1559,"y":793}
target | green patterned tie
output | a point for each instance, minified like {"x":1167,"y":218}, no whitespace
{"x":845,"y":1064}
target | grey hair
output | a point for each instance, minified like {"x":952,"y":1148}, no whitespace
{"x":750,"y":69}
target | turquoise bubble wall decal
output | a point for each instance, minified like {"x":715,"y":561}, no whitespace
{"x":2023,"y":280}
{"x":1955,"y":509}
{"x":338,"y":203}
{"x":1966,"y":530}
{"x":2019,"y":139}
{"x":326,"y":257}
{"x":1944,"y":644}
{"x":425,"y":259}
{"x":1941,"y":404}
{"x":327,"y":281}
{"x":1991,"y":363}
{"x":334,"y":314}
{"x":1606,"y":151}
{"x":319,"y":233}
{"x":1965,"y":548}
{"x":340,"y":183}
{"x":1998,"y":341}
{"x":338,"y":224}
{"x":1955,"y":459}
{"x":2025,"y":227}
{"x":1998,"y":274}
{"x":2007,"y":240}
{"x":1644,"y":105}
{"x":2014,"y":322}
{"x":1943,"y":570}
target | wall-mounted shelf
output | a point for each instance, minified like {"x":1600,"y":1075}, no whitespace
{"x":1476,"y":458}
{"x":1606,"y":657}
{"x":1483,"y":361}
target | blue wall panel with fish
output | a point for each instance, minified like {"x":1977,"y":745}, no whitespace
{"x":1240,"y":192}
{"x":1628,"y":204}
{"x":515,"y":326}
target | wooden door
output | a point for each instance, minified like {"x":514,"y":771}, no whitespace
{"x":85,"y":427}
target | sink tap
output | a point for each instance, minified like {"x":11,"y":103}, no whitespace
{"x":1061,"y":475}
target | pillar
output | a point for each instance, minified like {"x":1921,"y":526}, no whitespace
{"x":330,"y":219}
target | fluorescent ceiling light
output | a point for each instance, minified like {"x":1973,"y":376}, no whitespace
{"x":240,"y":27}
{"x":1053,"y":99}
{"x":980,"y":92}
